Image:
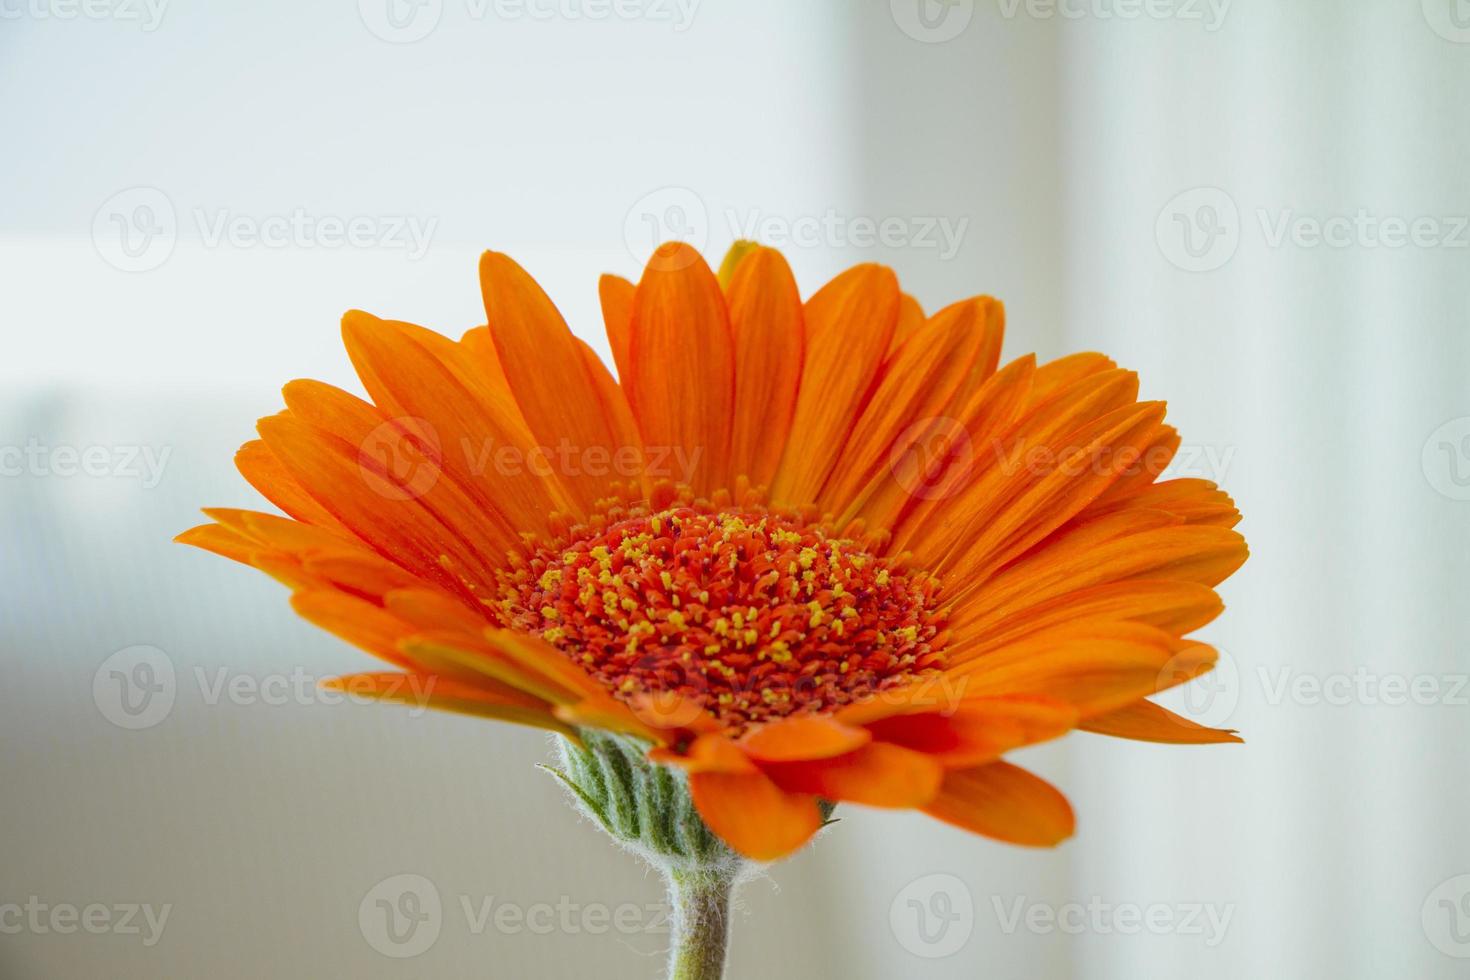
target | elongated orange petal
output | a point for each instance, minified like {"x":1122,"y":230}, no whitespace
{"x":553,"y":383}
{"x":485,"y":446}
{"x":263,"y":471}
{"x":442,"y":694}
{"x":682,"y":379}
{"x":753,"y":815}
{"x":1096,"y":669}
{"x":982,"y":730}
{"x":803,"y":737}
{"x":848,"y":325}
{"x":1145,"y":721}
{"x":879,"y":774}
{"x":765,"y":315}
{"x":944,"y":362}
{"x":1175,"y":607}
{"x":1005,"y":802}
{"x":616,"y":295}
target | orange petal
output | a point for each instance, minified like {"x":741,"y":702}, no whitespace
{"x":1005,"y":802}
{"x":982,"y":730}
{"x":1095,"y":668}
{"x":879,"y":774}
{"x":616,"y":295}
{"x":263,"y":471}
{"x":442,"y":694}
{"x":802,"y":737}
{"x":357,"y":621}
{"x":1175,"y":607}
{"x":682,"y":379}
{"x":548,"y":375}
{"x":943,"y":362}
{"x":1145,"y":721}
{"x":848,"y":325}
{"x":753,"y":815}
{"x":765,"y":315}
{"x":485,"y":447}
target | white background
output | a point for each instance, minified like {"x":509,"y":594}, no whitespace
{"x":1325,"y":385}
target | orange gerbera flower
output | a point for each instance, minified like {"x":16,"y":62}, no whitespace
{"x":802,"y":551}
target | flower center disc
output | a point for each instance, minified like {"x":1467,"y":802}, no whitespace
{"x":750,"y":614}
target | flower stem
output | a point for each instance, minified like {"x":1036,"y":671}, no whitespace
{"x":701,"y":922}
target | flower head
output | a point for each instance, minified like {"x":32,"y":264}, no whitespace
{"x":802,"y":551}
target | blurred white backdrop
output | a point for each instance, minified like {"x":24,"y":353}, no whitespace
{"x":1260,"y":207}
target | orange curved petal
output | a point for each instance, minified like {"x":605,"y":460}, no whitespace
{"x":803,"y":737}
{"x":753,"y":815}
{"x":1145,"y":721}
{"x":1005,"y":802}
{"x":765,"y":315}
{"x":682,"y":379}
{"x":880,"y":774}
{"x":848,"y":325}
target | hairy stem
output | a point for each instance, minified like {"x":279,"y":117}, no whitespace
{"x":701,"y":921}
